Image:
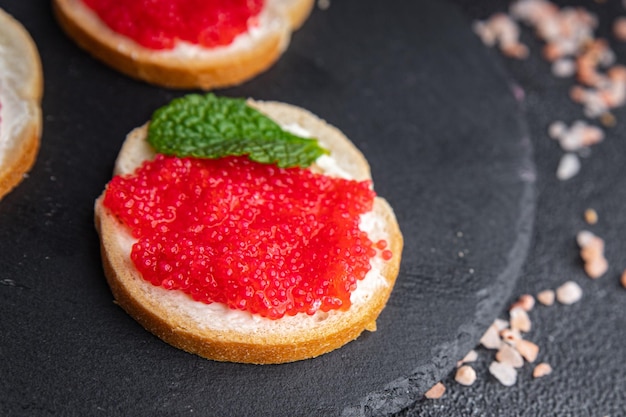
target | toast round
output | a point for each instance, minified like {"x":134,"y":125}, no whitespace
{"x":21,"y":88}
{"x":213,"y":330}
{"x":187,"y":66}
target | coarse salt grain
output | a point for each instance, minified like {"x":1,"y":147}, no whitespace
{"x":465,"y":375}
{"x":527,"y":349}
{"x":501,"y":324}
{"x":471,"y":356}
{"x":505,"y":374}
{"x":542,"y":369}
{"x":546,"y":297}
{"x":526,"y":302}
{"x":584,"y":237}
{"x":557,"y":129}
{"x":569,"y":293}
{"x":510,"y":336}
{"x":323,"y":4}
{"x":592,"y":253}
{"x":491,"y":338}
{"x":591,"y":216}
{"x":596,"y":267}
{"x":619,"y":29}
{"x":510,"y":356}
{"x":519,"y":320}
{"x":569,"y":166}
{"x":563,"y":68}
{"x":436,"y":391}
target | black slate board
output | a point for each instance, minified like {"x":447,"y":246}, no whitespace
{"x":585,"y":343}
{"x":416,"y":92}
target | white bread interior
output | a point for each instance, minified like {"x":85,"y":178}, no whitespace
{"x":187,"y":65}
{"x":213,"y":330}
{"x":21,"y":88}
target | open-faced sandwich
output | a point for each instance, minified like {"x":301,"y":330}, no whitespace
{"x":184,"y":43}
{"x":246,"y":231}
{"x":21,"y":88}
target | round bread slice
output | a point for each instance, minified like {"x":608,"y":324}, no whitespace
{"x":213,"y":330}
{"x":187,"y":65}
{"x":21,"y":88}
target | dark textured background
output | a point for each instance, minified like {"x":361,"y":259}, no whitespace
{"x":448,"y":148}
{"x":585,"y":343}
{"x":431,"y":108}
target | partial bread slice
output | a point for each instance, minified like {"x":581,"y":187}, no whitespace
{"x":21,"y":88}
{"x":187,"y":66}
{"x":213,"y":330}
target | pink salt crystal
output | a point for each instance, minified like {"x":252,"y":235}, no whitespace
{"x":527,"y":349}
{"x":501,"y":324}
{"x":526,"y":302}
{"x":436,"y":391}
{"x":465,"y":375}
{"x":623,"y":279}
{"x":596,"y":267}
{"x":593,"y":249}
{"x":519,"y":320}
{"x":506,"y":374}
{"x":546,"y":297}
{"x":591,"y":216}
{"x":569,"y":293}
{"x":510,"y":356}
{"x":471,"y":356}
{"x":510,"y":336}
{"x":569,"y":166}
{"x":491,"y":339}
{"x":557,"y":129}
{"x":619,"y":29}
{"x":584,"y":237}
{"x":542,"y":369}
{"x":484,"y":32}
{"x":563,"y":68}
{"x":592,"y":135}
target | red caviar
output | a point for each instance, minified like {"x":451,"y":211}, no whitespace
{"x":159,"y":24}
{"x":255,"y":237}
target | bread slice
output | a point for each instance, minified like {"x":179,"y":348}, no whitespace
{"x":21,"y":88}
{"x":213,"y":330}
{"x":187,"y":66}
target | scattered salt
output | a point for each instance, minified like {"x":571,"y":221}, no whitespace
{"x":563,"y":68}
{"x":591,"y":216}
{"x":526,"y":302}
{"x":568,"y":167}
{"x":436,"y":391}
{"x":546,"y":297}
{"x":569,"y":293}
{"x":506,"y":374}
{"x":465,"y":375}
{"x":542,"y":369}
{"x":527,"y":349}
{"x":510,"y":356}
{"x":519,"y":320}
{"x":491,"y":338}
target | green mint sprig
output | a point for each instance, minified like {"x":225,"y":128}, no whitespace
{"x":207,"y":126}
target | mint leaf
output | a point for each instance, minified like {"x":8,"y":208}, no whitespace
{"x":207,"y":126}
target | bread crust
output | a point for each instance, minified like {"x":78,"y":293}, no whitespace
{"x":23,"y":74}
{"x":274,"y":341}
{"x":215,"y":68}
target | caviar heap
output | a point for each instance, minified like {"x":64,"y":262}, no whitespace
{"x":159,"y":24}
{"x":268,"y":240}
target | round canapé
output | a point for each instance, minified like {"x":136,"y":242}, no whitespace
{"x":263,"y":326}
{"x":21,"y":88}
{"x":184,"y":43}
